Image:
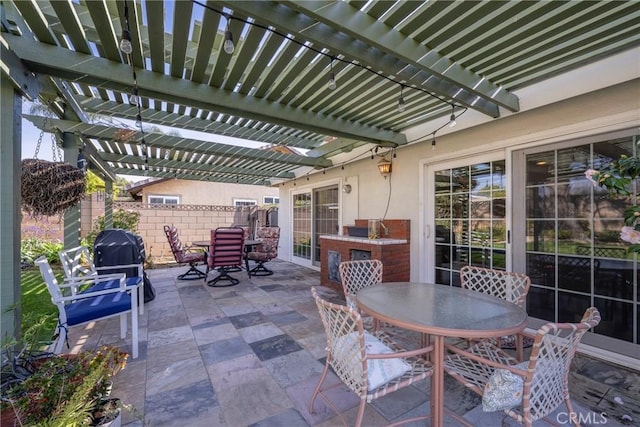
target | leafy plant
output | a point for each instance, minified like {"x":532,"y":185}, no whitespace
{"x":618,"y":178}
{"x":33,"y":248}
{"x":62,"y":390}
{"x":126,"y":220}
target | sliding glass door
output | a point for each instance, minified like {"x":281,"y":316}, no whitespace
{"x":315,"y":212}
{"x":469,"y":202}
{"x":567,"y":236}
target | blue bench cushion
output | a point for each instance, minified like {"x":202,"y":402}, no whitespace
{"x":92,"y":308}
{"x":110,"y":284}
{"x":101,"y":286}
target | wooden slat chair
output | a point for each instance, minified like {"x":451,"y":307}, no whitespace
{"x":77,"y":264}
{"x":509,"y":286}
{"x":361,"y":370}
{"x":226,"y":255}
{"x":80,"y":308}
{"x":544,"y":376}
{"x":185,"y":255}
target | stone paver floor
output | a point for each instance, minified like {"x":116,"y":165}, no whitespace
{"x":251,"y":355}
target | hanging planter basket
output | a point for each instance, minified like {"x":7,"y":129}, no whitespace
{"x":48,"y":188}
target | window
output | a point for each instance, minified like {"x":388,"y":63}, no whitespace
{"x":569,"y":241}
{"x":244,"y":202}
{"x":163,"y":200}
{"x":470,"y":224}
{"x":270,"y":200}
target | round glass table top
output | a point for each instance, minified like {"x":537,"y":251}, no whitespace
{"x":442,"y":310}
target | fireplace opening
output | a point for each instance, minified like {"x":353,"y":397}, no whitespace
{"x":357,"y":255}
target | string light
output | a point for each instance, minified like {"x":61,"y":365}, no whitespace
{"x":125,"y":42}
{"x":331,"y":84}
{"x":401,"y":105}
{"x":332,"y":77}
{"x":134,"y":98}
{"x":433,"y":142}
{"x":452,"y":119}
{"x":228,"y":45}
{"x":125,"y":38}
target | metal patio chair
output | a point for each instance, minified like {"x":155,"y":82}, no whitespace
{"x":542,"y":381}
{"x":79,"y":308}
{"x":265,"y":251}
{"x":77,"y":264}
{"x":509,"y":286}
{"x":369,"y":364}
{"x":185,"y":255}
{"x":226,"y":255}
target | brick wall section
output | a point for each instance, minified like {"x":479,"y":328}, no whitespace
{"x":394,"y":257}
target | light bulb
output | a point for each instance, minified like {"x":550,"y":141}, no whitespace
{"x":332,"y":81}
{"x":433,"y":143}
{"x":452,"y":120}
{"x":228,"y":42}
{"x":401,"y":105}
{"x":125,"y":42}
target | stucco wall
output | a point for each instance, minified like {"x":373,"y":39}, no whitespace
{"x":613,"y":108}
{"x":208,"y":193}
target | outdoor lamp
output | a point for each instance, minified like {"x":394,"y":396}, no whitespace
{"x":384,"y":166}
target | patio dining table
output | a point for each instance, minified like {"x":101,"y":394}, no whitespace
{"x":440,"y":311}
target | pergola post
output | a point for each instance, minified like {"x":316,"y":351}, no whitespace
{"x":72,"y":215}
{"x":108,"y":204}
{"x":10,"y":214}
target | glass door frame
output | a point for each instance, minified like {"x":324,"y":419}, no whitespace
{"x":427,"y":249}
{"x":311,"y":263}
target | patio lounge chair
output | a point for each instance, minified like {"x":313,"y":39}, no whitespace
{"x":79,"y":308}
{"x":78,"y":265}
{"x":369,"y":364}
{"x":185,"y":255}
{"x":226,"y":254}
{"x":530,"y":390}
{"x":265,"y":251}
{"x":509,"y":286}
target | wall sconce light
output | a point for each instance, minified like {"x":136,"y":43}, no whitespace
{"x":384,"y":166}
{"x":346,"y":188}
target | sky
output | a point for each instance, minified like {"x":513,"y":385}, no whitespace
{"x":31,"y":134}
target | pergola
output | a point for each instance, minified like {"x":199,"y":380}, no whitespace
{"x":397,"y":66}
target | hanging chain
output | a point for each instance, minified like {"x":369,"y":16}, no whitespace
{"x":39,"y":143}
{"x":55,"y":148}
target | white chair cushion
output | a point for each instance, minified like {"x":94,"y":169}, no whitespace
{"x":503,"y":390}
{"x":379,"y":371}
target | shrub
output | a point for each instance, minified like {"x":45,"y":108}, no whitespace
{"x":32,"y":248}
{"x":125,"y":220}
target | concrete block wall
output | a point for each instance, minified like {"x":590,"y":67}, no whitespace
{"x":194,"y":223}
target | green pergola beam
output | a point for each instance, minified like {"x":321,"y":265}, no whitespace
{"x":102,"y":73}
{"x":111,"y":133}
{"x":180,"y":121}
{"x":194,"y":167}
{"x":405,"y":67}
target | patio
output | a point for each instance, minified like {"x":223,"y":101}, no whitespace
{"x":251,"y":355}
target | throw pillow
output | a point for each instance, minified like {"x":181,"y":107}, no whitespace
{"x":503,"y":390}
{"x":379,"y":371}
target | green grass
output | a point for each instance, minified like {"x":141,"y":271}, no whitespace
{"x":36,"y":304}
